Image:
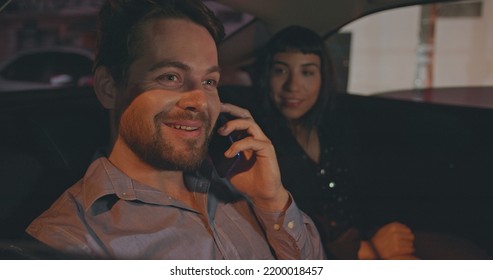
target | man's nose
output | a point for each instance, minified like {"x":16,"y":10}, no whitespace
{"x":194,"y":100}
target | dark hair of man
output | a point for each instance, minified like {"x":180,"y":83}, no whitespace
{"x":306,"y":41}
{"x":119,"y":39}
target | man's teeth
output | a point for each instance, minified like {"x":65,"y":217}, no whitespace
{"x":183,"y":127}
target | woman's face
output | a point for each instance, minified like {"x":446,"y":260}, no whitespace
{"x":295,"y":82}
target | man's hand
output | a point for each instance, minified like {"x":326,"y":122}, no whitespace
{"x":257,"y":175}
{"x":394,"y":241}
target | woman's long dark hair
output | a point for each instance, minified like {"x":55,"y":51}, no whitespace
{"x":306,"y":41}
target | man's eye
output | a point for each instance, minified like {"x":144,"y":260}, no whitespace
{"x":168,"y":78}
{"x":210,"y":83}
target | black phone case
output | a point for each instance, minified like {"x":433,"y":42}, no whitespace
{"x":219,"y":144}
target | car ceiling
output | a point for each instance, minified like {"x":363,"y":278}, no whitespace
{"x":323,"y":16}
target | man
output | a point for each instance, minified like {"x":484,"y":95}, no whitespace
{"x":156,"y":195}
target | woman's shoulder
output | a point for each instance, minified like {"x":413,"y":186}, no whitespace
{"x":272,"y":126}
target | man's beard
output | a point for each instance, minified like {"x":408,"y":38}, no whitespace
{"x":153,"y":149}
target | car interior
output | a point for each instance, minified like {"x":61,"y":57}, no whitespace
{"x":430,"y":162}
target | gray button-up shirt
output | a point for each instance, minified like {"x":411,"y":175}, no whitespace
{"x":108,"y":215}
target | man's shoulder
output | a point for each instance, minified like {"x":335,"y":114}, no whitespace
{"x":65,"y":206}
{"x":68,"y":212}
{"x":63,"y":217}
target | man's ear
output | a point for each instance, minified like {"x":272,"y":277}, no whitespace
{"x":105,"y":87}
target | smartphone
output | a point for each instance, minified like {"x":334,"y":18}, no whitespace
{"x":219,"y":144}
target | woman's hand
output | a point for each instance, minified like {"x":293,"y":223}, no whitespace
{"x":366,"y":251}
{"x":257,"y":174}
{"x":394,"y":241}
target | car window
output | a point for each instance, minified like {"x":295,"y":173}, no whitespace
{"x":231,"y":19}
{"x":47,"y":66}
{"x":436,"y":45}
{"x":51,"y":43}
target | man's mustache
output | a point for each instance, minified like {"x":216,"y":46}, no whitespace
{"x":182,"y":116}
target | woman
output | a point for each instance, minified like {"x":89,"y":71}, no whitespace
{"x":296,"y":82}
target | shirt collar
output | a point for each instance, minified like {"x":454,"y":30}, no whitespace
{"x":103,"y":178}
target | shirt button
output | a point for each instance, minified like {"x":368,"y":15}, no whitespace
{"x":277,"y":227}
{"x":291,"y":225}
{"x":322,"y":171}
{"x":332,"y":185}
